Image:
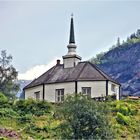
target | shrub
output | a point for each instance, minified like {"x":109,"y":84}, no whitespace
{"x":84,"y":118}
{"x":138,"y":130}
{"x":43,"y":107}
{"x":25,"y":119}
{"x":123,"y":109}
{"x":3,"y":99}
{"x":126,"y":109}
{"x":31,"y":106}
{"x":8,"y":112}
{"x":2,"y":138}
{"x":121,"y":119}
{"x":45,"y":128}
{"x":110,"y":97}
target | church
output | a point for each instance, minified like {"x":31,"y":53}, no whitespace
{"x":72,"y":77}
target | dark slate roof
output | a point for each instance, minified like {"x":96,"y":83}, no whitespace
{"x":83,"y":71}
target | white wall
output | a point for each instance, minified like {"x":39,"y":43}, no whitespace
{"x":30,"y":93}
{"x":110,"y":92}
{"x":69,"y":62}
{"x":69,"y":88}
{"x":98,"y":88}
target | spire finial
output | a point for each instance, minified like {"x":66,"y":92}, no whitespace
{"x":71,"y":15}
{"x":72,"y":39}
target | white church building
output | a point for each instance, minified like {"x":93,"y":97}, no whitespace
{"x":72,"y":77}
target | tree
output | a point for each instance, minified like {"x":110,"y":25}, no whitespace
{"x":84,"y":118}
{"x":113,"y":47}
{"x":118,"y":42}
{"x":133,"y":36}
{"x":8,"y":75}
{"x":138,"y":33}
{"x":97,"y":59}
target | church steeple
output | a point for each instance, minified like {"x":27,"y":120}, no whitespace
{"x":71,"y":59}
{"x":71,"y":47}
{"x":71,"y":39}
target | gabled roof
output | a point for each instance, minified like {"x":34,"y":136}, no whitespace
{"x":83,"y":71}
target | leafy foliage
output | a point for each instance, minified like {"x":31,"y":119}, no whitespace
{"x":25,"y":118}
{"x":138,"y":131}
{"x":84,"y":119}
{"x":77,"y":118}
{"x":8,"y":75}
{"x":7,"y":112}
{"x":124,"y":120}
{"x":97,"y":59}
{"x":32,"y":107}
{"x":3,"y":99}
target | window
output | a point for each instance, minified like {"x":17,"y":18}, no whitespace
{"x":86,"y":91}
{"x":37,"y":95}
{"x":59,"y":95}
{"x":113,"y":87}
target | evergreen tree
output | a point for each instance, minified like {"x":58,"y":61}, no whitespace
{"x":138,"y":33}
{"x":8,"y":75}
{"x":118,"y":42}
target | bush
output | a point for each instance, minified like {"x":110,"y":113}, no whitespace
{"x":123,"y":109}
{"x":3,"y":99}
{"x":31,"y":106}
{"x":121,"y":119}
{"x":8,"y":112}
{"x":138,"y":130}
{"x":126,"y":109}
{"x":25,"y":119}
{"x":110,"y":97}
{"x":2,"y":138}
{"x":84,"y":118}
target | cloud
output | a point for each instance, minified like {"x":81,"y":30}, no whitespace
{"x":36,"y":71}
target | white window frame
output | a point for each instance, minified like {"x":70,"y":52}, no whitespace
{"x":37,"y":95}
{"x":86,"y":91}
{"x":59,"y":95}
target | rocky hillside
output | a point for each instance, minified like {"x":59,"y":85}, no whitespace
{"x":122,"y":62}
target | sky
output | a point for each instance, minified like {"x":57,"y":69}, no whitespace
{"x":36,"y":32}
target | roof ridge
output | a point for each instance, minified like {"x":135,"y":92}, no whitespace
{"x":81,"y":71}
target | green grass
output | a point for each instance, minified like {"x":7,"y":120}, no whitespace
{"x":125,"y":120}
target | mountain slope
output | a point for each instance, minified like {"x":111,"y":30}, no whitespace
{"x":123,"y":64}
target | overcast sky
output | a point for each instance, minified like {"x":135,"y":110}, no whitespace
{"x":36,"y":33}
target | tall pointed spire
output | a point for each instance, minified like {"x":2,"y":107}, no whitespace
{"x":71,"y":59}
{"x":71,"y":39}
